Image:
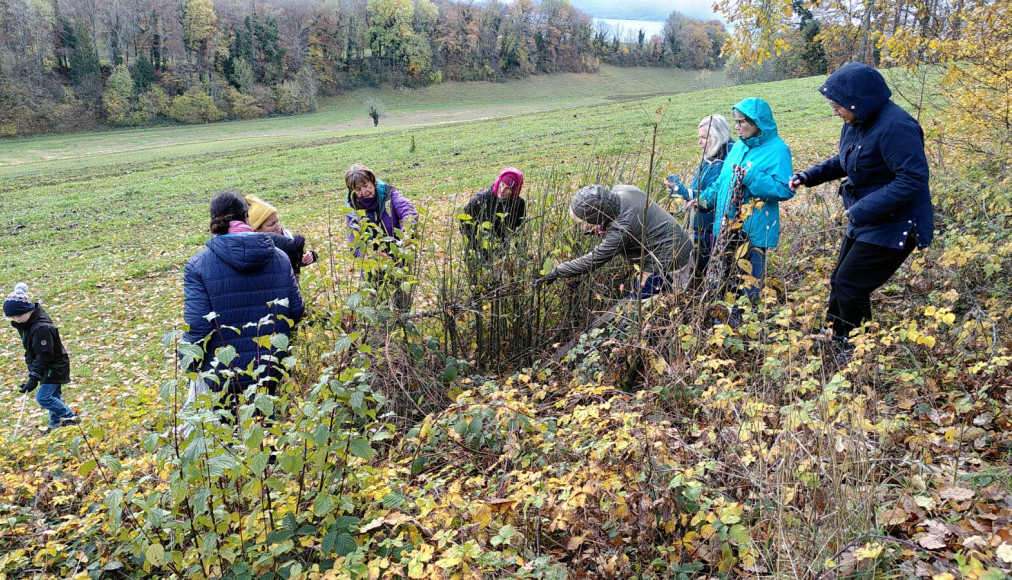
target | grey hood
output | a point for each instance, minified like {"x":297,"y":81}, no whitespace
{"x":596,"y":205}
{"x":635,"y":227}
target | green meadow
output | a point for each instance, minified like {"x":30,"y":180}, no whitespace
{"x":111,"y":206}
{"x":344,"y":117}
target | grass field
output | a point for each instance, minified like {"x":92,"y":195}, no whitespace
{"x":102,"y":237}
{"x":344,"y":117}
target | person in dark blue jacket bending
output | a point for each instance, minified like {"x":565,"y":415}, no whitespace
{"x":885,"y":191}
{"x":250,"y":288}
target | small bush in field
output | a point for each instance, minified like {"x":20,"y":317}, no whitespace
{"x":193,"y":107}
{"x":375,"y":109}
{"x":242,"y":106}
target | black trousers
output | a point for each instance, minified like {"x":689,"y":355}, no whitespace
{"x":860,"y":270}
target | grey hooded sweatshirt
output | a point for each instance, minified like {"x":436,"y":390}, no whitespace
{"x":665,"y":245}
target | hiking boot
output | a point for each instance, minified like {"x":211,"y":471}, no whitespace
{"x":838,"y":353}
{"x":71,"y":420}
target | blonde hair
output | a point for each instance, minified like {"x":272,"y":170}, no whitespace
{"x":359,"y":175}
{"x":718,"y":134}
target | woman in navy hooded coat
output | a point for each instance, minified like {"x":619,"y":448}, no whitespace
{"x":885,"y":190}
{"x":250,"y":287}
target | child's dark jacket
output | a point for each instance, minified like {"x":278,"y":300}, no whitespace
{"x":48,"y":362}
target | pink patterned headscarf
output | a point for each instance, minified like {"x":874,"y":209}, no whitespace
{"x":513,"y":178}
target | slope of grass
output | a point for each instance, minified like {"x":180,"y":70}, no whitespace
{"x":344,"y":116}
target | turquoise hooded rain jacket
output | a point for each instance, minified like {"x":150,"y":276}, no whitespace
{"x":768,"y":160}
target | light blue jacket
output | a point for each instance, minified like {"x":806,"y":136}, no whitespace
{"x":706,"y":175}
{"x":768,"y":160}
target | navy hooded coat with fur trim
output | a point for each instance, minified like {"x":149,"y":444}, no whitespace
{"x":882,"y":158}
{"x":235,"y":277}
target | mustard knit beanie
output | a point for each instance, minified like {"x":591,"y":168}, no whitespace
{"x":259,"y":211}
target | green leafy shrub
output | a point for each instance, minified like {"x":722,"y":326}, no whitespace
{"x":193,"y":107}
{"x":242,"y":106}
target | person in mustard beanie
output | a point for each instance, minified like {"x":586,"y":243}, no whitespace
{"x":48,"y":361}
{"x":263,"y":218}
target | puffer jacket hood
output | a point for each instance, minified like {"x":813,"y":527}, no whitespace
{"x":857,"y":88}
{"x":244,"y":252}
{"x":761,"y":114}
{"x":596,"y":205}
{"x":250,"y":287}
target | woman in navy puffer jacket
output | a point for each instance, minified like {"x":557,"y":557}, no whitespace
{"x":242,"y":278}
{"x":885,"y":190}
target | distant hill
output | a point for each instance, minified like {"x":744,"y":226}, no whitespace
{"x":655,"y":10}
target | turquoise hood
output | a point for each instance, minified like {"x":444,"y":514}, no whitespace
{"x":761,"y":114}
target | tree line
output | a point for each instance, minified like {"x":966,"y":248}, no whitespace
{"x":776,"y":39}
{"x":967,"y":42}
{"x":71,"y":65}
{"x":684,"y":42}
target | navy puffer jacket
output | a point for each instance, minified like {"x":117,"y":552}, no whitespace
{"x":236,"y":276}
{"x":882,"y":158}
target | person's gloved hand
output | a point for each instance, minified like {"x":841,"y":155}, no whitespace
{"x":797,"y":180}
{"x":544,"y":280}
{"x":29,"y":386}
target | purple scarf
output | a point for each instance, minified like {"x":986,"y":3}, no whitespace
{"x":513,"y":178}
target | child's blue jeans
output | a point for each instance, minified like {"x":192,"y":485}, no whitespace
{"x":50,"y":398}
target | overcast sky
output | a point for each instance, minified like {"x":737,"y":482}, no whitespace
{"x":657,"y":10}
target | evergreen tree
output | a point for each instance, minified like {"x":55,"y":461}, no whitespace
{"x":143,"y":74}
{"x":83,"y":58}
{"x":812,"y":52}
{"x":270,"y":53}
